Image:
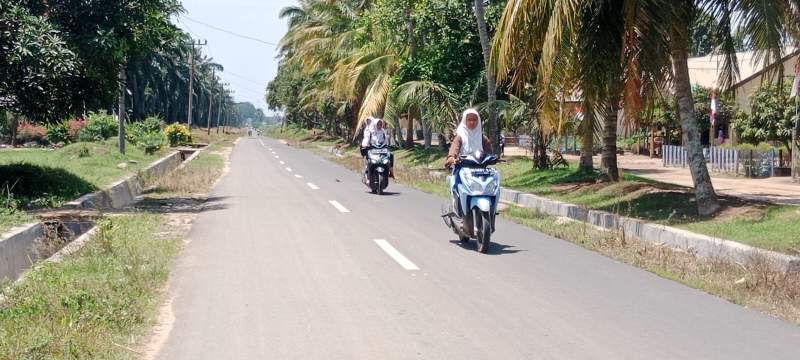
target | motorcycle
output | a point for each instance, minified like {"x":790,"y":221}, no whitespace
{"x":475,"y":194}
{"x":376,"y":174}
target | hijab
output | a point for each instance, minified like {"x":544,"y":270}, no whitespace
{"x":369,"y":126}
{"x":377,"y":137}
{"x":471,"y":140}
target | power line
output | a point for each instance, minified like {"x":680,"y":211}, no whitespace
{"x":243,"y":78}
{"x":230,"y":32}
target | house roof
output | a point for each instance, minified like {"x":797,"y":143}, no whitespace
{"x":704,"y":71}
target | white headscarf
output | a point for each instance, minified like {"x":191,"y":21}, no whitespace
{"x":374,"y":136}
{"x":471,"y":140}
{"x":369,"y":125}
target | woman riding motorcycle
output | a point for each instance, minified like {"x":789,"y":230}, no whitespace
{"x":375,"y":135}
{"x":469,"y":138}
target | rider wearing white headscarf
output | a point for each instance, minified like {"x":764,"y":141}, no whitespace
{"x":376,"y":136}
{"x":467,"y":140}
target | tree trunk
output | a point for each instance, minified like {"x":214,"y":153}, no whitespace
{"x":587,"y":137}
{"x":707,"y":203}
{"x":412,"y":54}
{"x":491,"y":78}
{"x":443,"y":142}
{"x":427,"y":133}
{"x":609,"y":156}
{"x":409,"y":143}
{"x":121,"y":111}
{"x":14,"y":124}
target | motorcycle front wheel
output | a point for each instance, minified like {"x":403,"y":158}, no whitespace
{"x":379,"y":183}
{"x":483,"y":230}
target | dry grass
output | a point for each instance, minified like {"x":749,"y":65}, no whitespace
{"x":197,"y":177}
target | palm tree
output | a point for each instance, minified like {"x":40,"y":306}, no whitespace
{"x":594,"y":46}
{"x":491,"y":80}
{"x":765,"y":23}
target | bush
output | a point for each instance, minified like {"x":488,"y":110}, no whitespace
{"x":27,"y":133}
{"x":74,"y":128}
{"x":178,"y":134}
{"x":58,"y":133}
{"x":135,"y":132}
{"x":98,"y":127}
{"x":151,"y":142}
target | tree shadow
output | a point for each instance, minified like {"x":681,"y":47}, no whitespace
{"x":494,"y":248}
{"x":179,"y":204}
{"x":41,"y":186}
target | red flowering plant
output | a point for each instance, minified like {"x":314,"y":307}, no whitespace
{"x":27,"y":132}
{"x":74,"y":127}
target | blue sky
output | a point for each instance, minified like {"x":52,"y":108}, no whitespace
{"x":249,"y":64}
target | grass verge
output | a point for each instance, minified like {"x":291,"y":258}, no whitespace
{"x":101,"y":302}
{"x":94,"y":304}
{"x":754,"y":284}
{"x":38,"y":178}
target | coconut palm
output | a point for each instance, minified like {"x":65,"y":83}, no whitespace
{"x":491,"y":80}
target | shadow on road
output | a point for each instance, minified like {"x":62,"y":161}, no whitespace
{"x":180,"y":205}
{"x":494,"y":248}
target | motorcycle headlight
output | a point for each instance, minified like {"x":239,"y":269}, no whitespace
{"x":475,"y":186}
{"x":385,"y":161}
{"x":491,"y":187}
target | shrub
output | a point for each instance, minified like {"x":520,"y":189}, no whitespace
{"x":135,"y":132}
{"x":178,"y":134}
{"x":151,"y":142}
{"x":27,"y":133}
{"x":98,"y":127}
{"x":58,"y":133}
{"x":74,"y":128}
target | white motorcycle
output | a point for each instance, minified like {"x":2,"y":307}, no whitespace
{"x":475,"y":191}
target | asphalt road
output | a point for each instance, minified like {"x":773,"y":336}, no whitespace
{"x":314,"y":267}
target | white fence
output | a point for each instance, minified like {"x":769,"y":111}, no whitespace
{"x":722,"y":160}
{"x":674,"y":156}
{"x":749,"y":163}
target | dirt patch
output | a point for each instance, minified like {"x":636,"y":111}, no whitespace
{"x":570,"y":187}
{"x":746,"y":212}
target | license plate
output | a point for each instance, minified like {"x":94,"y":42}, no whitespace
{"x":481,"y":172}
{"x":380,"y":151}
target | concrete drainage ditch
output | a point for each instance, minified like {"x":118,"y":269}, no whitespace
{"x":53,"y":236}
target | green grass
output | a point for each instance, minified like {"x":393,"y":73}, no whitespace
{"x":95,"y":303}
{"x":777,"y":229}
{"x":10,"y":218}
{"x":94,"y":163}
{"x":39,"y":178}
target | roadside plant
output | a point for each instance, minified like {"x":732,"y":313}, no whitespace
{"x":98,"y":127}
{"x":178,"y":134}
{"x":58,"y":133}
{"x":74,"y":128}
{"x":136,"y":132}
{"x":27,"y":132}
{"x":151,"y":142}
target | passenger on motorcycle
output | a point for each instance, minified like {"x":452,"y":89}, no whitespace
{"x":375,"y":135}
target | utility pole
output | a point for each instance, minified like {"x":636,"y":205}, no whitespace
{"x":191,"y":77}
{"x":208,"y":118}
{"x":221,"y":101}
